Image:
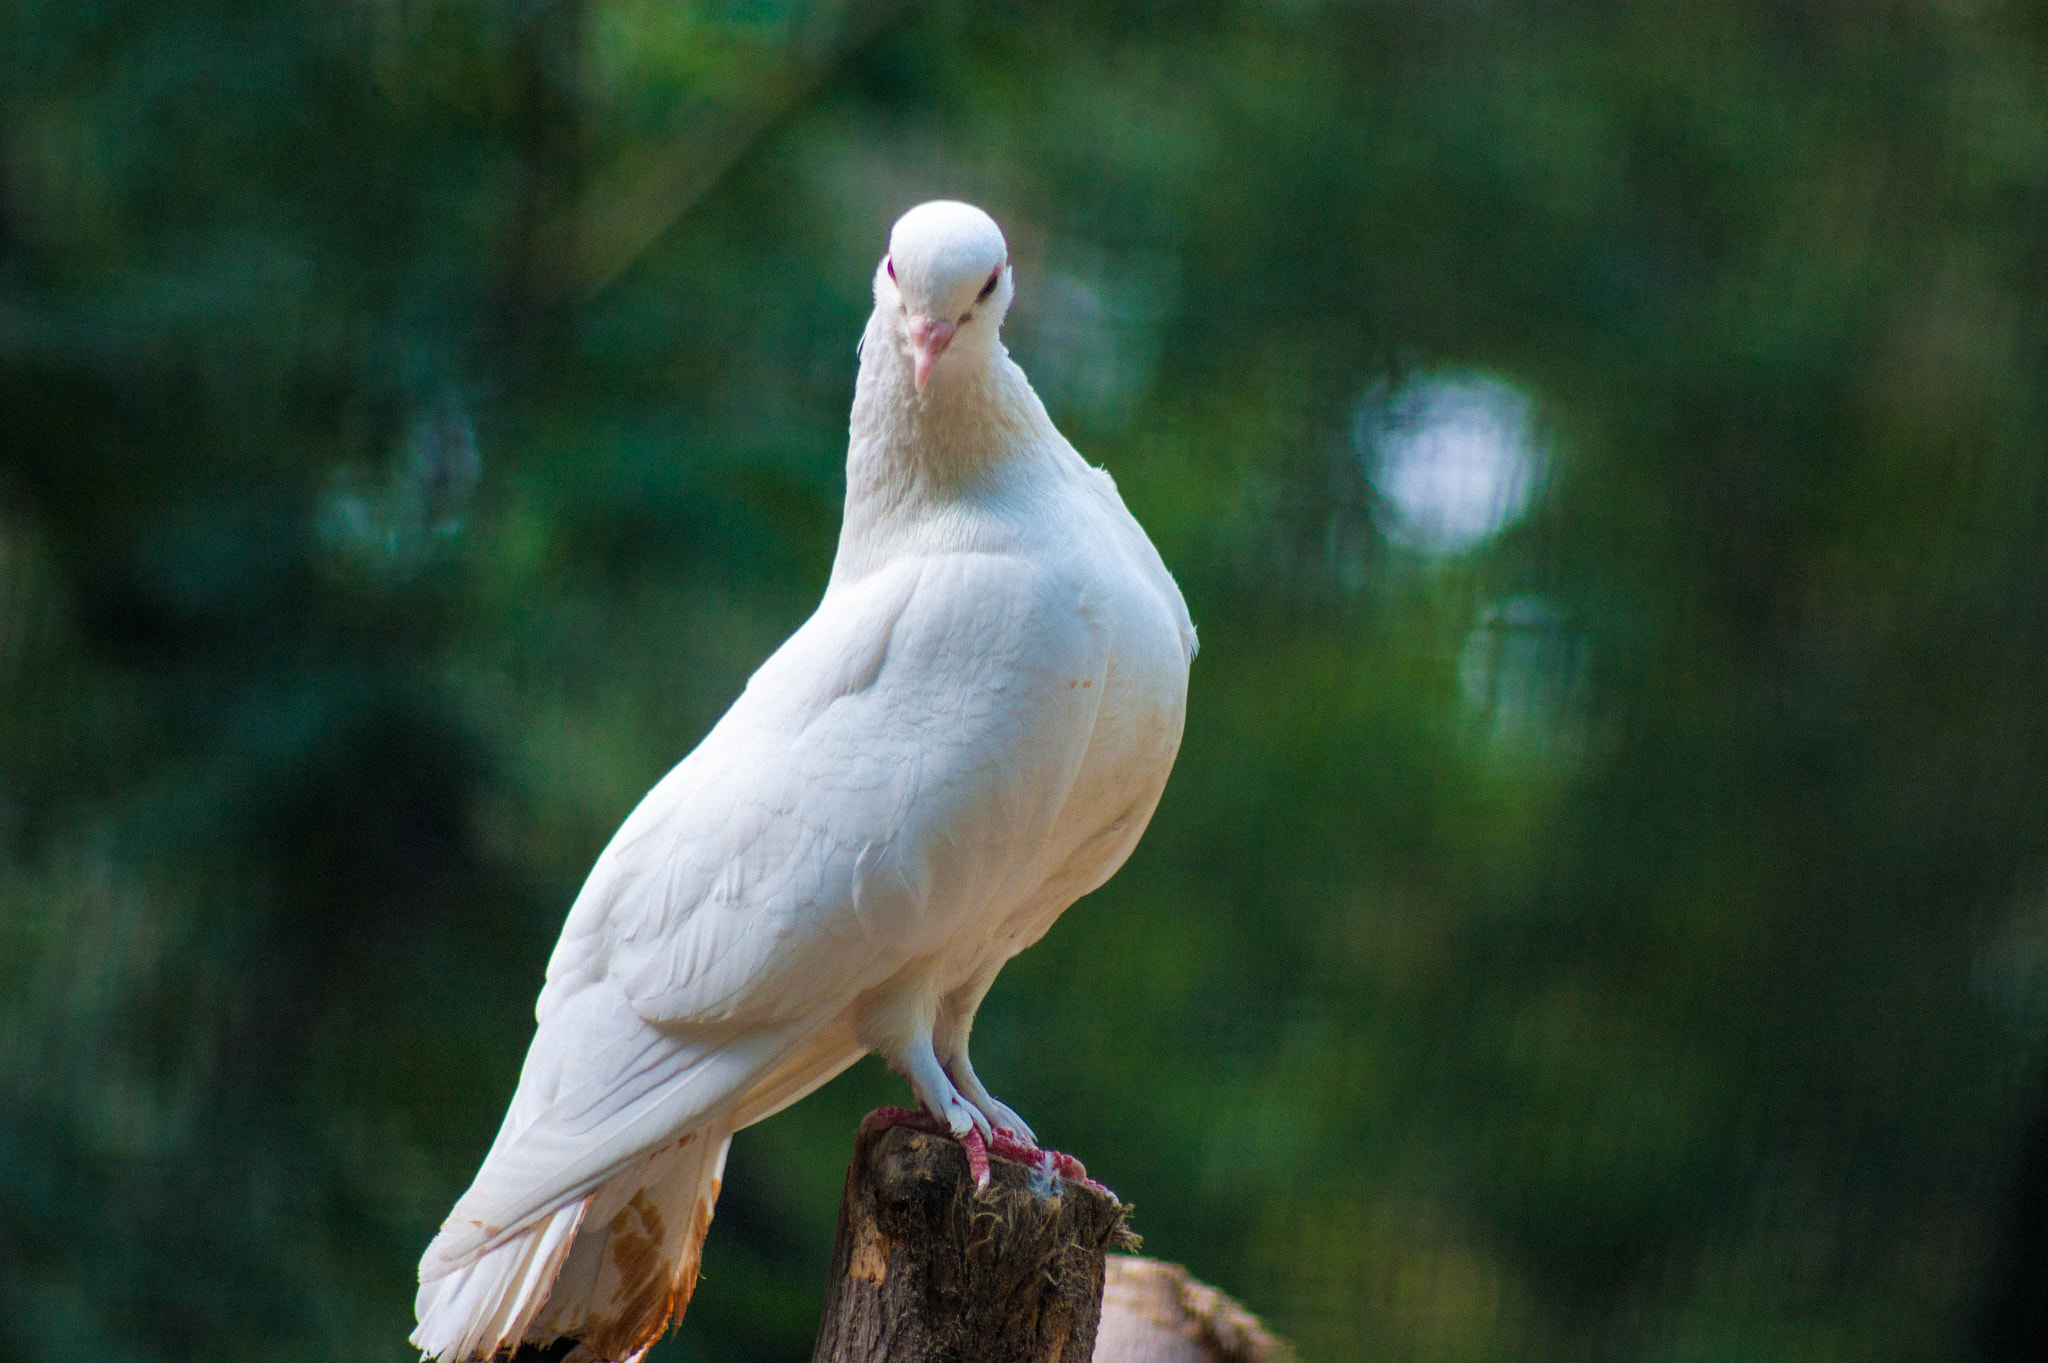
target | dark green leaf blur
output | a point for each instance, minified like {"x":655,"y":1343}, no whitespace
{"x":1601,"y":909}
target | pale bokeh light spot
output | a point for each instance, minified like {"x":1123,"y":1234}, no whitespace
{"x":1453,"y":456}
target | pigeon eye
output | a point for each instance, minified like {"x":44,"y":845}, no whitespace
{"x":889,"y":264}
{"x":989,"y":287}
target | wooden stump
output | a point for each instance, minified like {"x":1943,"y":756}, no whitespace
{"x":1155,"y":1313}
{"x":927,"y":1268}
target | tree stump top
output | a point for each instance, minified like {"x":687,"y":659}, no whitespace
{"x":929,"y":1268}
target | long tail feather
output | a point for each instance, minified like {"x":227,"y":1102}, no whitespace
{"x":477,"y":1310}
{"x":610,"y":1270}
{"x":634,"y":1265}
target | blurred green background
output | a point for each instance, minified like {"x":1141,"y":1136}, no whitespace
{"x":1601,"y":910}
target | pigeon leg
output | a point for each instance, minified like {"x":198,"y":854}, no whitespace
{"x":1000,"y":1116}
{"x":1010,"y":1138}
{"x":919,"y":1064}
{"x":928,"y":1080}
{"x":955,"y":1023}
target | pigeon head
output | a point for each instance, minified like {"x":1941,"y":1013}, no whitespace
{"x":948,"y":276}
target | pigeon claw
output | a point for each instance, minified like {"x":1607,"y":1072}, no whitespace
{"x":977,"y":1158}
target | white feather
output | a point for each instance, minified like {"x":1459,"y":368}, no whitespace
{"x":971,"y":731}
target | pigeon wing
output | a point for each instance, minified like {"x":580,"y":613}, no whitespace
{"x":823,"y":834}
{"x":887,"y":775}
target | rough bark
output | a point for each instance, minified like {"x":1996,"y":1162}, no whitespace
{"x":927,"y":1268}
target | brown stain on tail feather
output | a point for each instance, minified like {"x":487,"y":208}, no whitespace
{"x":652,"y":1290}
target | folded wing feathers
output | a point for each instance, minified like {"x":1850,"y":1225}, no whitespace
{"x":643,"y":1096}
{"x":756,"y":890}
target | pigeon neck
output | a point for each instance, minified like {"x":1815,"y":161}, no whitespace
{"x":973,"y":430}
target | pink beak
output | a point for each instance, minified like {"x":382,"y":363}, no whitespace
{"x":929,"y":338}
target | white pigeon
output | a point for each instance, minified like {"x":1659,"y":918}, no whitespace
{"x":970,"y":733}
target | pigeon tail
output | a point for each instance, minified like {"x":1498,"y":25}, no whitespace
{"x":610,"y":1270}
{"x":479,"y":1308}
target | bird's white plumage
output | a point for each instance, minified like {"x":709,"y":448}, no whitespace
{"x":970,"y":732}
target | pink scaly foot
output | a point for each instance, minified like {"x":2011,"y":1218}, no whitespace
{"x":1006,"y":1145}
{"x":917,"y":1119}
{"x":1010,"y":1147}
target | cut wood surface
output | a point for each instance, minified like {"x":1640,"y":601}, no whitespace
{"x":927,"y":1267}
{"x":1153,"y":1312}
